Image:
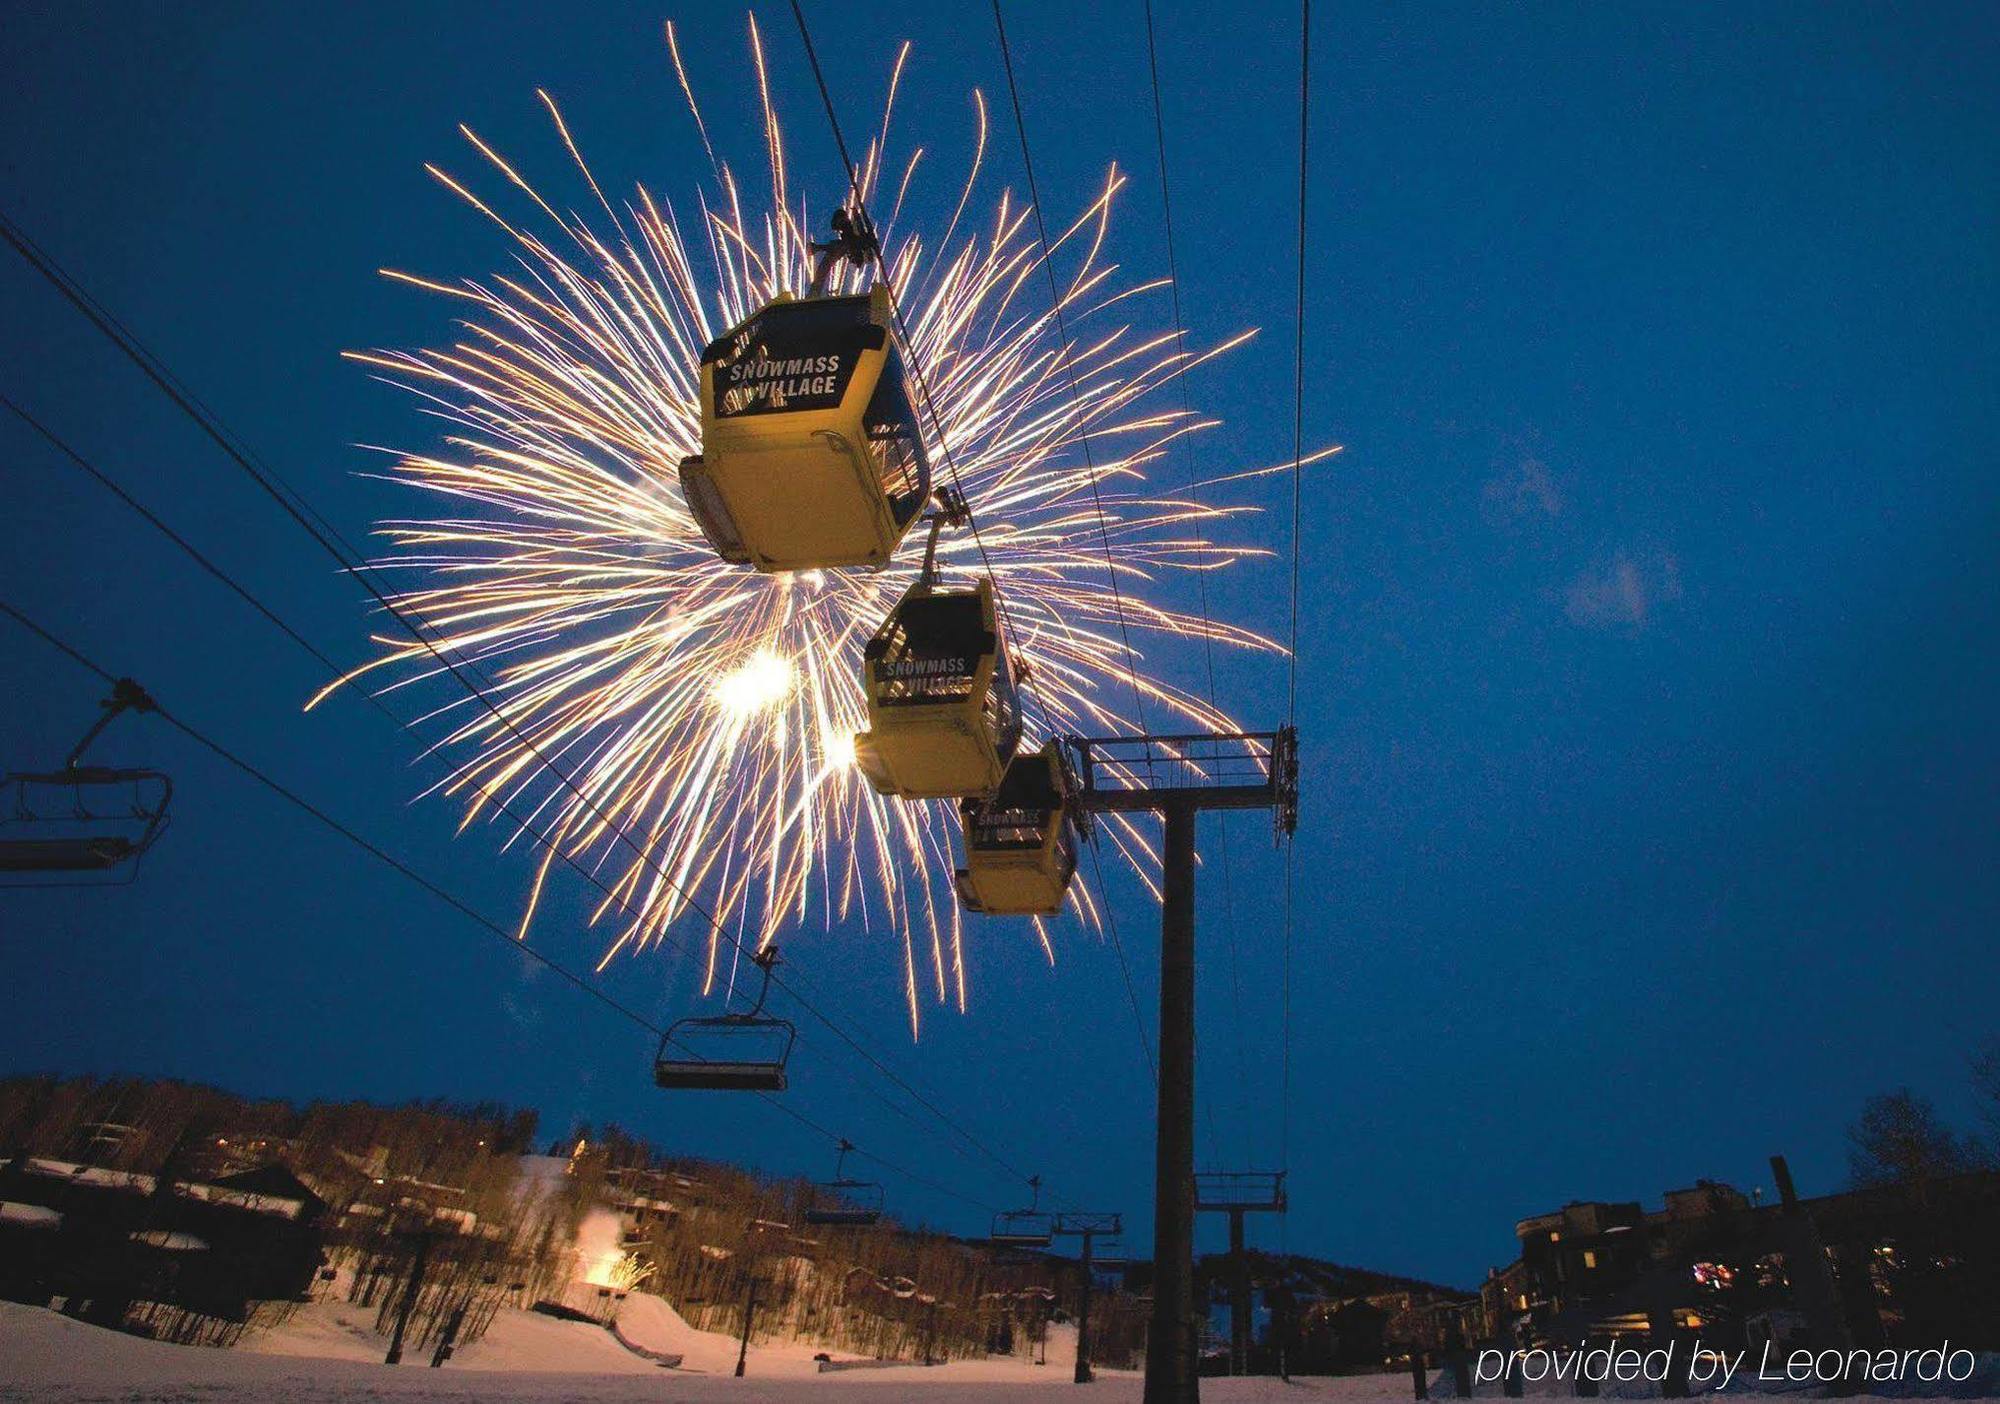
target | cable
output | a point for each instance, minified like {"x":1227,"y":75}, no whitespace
{"x":1124,"y":970}
{"x":1299,"y":354}
{"x":483,"y":922}
{"x":930,"y":407}
{"x":1069,"y":374}
{"x":1201,"y":584}
{"x":1298,"y":455}
{"x":295,"y":506}
{"x":1103,"y":528}
{"x":102,"y":317}
{"x":106,"y":482}
{"x":500,"y":805}
{"x":909,"y":346}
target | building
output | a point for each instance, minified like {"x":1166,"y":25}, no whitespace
{"x":189,"y":1254}
{"x":1899,"y":1264}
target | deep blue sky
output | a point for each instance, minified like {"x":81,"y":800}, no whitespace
{"x":1650,"y":645}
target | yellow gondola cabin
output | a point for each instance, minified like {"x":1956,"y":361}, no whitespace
{"x":944,"y":718}
{"x":810,"y":451}
{"x":1020,"y":849}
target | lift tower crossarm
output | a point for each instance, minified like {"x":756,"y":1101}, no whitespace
{"x":1177,"y":777}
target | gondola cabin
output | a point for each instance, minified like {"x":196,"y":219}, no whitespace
{"x":944,"y":718}
{"x":810,"y":452}
{"x":1020,"y":849}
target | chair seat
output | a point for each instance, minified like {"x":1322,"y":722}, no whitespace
{"x":64,"y":855}
{"x":720,"y":1077}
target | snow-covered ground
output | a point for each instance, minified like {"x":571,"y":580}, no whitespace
{"x":327,"y":1355}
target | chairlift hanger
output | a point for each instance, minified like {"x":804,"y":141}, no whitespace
{"x":1024,"y":1228}
{"x":844,"y":1202}
{"x":89,"y":838}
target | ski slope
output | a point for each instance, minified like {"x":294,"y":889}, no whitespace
{"x":326,"y":1356}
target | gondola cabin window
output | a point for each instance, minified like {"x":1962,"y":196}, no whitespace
{"x":1000,"y":829}
{"x":932,"y":653}
{"x":793,"y":357}
{"x":896,"y":444}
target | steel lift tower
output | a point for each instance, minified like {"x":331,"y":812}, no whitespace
{"x":1089,"y":1227}
{"x":1236,"y":1193}
{"x":1177,"y":777}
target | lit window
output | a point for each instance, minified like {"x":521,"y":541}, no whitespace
{"x":1589,"y":1258}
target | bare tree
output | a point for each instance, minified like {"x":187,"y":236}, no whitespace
{"x":1899,"y":1138}
{"x":1986,"y":1084}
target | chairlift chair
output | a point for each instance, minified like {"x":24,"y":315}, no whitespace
{"x":1020,"y":849}
{"x":83,"y":822}
{"x":944,"y":717}
{"x":728,"y":1052}
{"x":811,"y":455}
{"x":845,"y":1202}
{"x":1021,"y":1228}
{"x":1024,"y":1228}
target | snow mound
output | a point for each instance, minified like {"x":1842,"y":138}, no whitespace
{"x":517,"y":1341}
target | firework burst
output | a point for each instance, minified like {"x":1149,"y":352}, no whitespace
{"x":702,"y":713}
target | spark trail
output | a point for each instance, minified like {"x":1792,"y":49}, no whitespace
{"x":705,"y":712}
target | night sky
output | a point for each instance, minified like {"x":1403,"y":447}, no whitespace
{"x":1649,"y":652}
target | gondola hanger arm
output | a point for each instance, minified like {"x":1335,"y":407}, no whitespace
{"x":951,"y":510}
{"x":853,"y":240}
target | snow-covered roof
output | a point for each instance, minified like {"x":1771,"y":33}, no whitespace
{"x":29,"y":1216}
{"x":98,"y":1177}
{"x":243,"y":1199}
{"x":640,"y":1201}
{"x":170,"y":1242}
{"x":95,"y":1175}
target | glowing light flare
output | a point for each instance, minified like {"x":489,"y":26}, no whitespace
{"x":762,"y":683}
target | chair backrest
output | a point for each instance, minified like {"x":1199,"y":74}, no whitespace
{"x":845,"y":1202}
{"x":1023,"y":1228}
{"x":81,"y":821}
